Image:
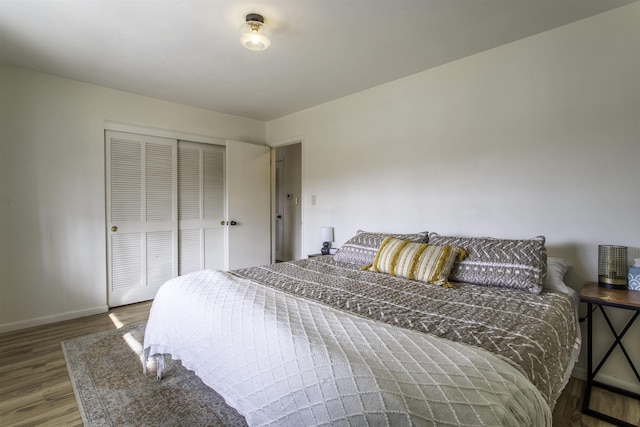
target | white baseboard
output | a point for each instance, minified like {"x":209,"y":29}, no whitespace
{"x":581,"y":374}
{"x":23,"y":324}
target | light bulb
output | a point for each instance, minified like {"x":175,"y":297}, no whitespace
{"x":254,"y":34}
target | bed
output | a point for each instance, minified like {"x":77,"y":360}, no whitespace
{"x":360,"y":338}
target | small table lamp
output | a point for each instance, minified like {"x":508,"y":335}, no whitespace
{"x":326,"y":235}
{"x":612,"y":266}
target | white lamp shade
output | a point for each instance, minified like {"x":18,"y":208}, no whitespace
{"x":326,"y":234}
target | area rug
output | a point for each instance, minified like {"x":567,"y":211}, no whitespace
{"x":111,"y":389}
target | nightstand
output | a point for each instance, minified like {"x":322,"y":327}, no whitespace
{"x":313,"y":255}
{"x":599,"y":297}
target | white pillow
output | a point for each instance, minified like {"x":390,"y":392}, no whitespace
{"x":556,"y":270}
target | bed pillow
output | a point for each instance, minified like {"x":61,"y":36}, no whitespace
{"x":361,"y":249}
{"x":415,"y":261}
{"x":557,"y":268}
{"x":516,"y":264}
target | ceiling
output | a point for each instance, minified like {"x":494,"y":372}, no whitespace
{"x":188,"y":51}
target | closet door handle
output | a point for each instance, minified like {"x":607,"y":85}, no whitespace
{"x":114,"y":228}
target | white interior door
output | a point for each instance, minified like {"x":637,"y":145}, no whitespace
{"x":142,"y":224}
{"x":201,"y":207}
{"x":248,"y":205}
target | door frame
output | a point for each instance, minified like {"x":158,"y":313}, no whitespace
{"x":278,"y":219}
{"x":162,"y":133}
{"x":283,"y":143}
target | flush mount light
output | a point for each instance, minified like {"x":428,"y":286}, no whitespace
{"x":254,"y":34}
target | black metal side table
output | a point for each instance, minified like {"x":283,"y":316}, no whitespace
{"x":600,"y":297}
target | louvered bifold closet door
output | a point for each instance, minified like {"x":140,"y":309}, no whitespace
{"x":142,"y":224}
{"x":201,"y":206}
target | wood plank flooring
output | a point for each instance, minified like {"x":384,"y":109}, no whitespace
{"x":35,"y":389}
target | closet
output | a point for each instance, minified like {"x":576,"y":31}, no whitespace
{"x":174,"y":207}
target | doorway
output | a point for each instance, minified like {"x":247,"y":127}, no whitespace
{"x":288,"y":202}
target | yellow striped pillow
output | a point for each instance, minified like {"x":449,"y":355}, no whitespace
{"x":416,"y":261}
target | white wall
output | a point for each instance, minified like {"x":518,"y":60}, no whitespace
{"x":540,"y":136}
{"x":52,"y":188}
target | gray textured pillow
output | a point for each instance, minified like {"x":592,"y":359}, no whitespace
{"x":361,"y":249}
{"x":516,"y":264}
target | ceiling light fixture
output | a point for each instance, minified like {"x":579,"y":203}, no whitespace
{"x":254,"y":34}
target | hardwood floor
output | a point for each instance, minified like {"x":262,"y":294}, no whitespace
{"x":35,"y":388}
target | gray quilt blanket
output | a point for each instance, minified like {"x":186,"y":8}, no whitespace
{"x":537,"y":334}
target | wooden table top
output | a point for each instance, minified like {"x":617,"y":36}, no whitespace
{"x":595,"y":294}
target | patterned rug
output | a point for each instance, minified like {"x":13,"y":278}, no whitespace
{"x":111,"y":389}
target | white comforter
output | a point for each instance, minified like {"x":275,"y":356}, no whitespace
{"x":283,"y":360}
